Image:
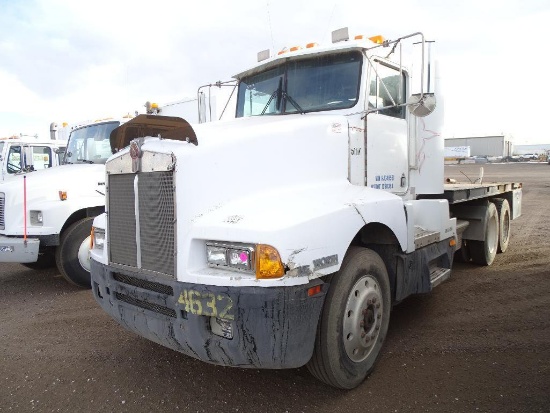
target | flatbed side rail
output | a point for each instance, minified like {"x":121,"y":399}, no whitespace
{"x":462,"y":192}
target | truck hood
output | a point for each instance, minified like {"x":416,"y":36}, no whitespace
{"x":242,"y":157}
{"x":76,"y":179}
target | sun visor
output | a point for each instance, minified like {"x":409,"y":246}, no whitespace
{"x":168,"y":127}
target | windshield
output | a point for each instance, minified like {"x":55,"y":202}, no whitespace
{"x":317,"y":83}
{"x":90,"y":144}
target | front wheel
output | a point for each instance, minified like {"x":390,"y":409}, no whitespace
{"x":354,"y":321}
{"x":73,"y":253}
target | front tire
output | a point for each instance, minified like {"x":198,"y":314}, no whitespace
{"x":72,"y":254}
{"x":354,"y":321}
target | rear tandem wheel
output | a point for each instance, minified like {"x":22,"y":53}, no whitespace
{"x":484,"y":252}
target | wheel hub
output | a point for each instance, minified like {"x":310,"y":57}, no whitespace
{"x":84,"y":254}
{"x":362,"y":318}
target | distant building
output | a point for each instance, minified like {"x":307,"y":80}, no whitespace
{"x":494,"y":145}
{"x":537,"y":149}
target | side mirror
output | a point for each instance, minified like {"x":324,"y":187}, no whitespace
{"x":421,"y":104}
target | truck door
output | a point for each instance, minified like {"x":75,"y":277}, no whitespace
{"x":387,"y":163}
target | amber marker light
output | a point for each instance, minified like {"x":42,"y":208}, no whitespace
{"x":310,"y":45}
{"x":295,"y":48}
{"x":452,"y":242}
{"x":377,"y":39}
{"x":63,"y":195}
{"x":268,"y":263}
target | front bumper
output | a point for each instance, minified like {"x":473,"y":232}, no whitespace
{"x":14,"y":249}
{"x":273,"y":327}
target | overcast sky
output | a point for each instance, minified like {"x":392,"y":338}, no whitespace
{"x":68,"y":61}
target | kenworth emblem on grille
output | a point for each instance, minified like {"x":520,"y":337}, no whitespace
{"x":136,"y":154}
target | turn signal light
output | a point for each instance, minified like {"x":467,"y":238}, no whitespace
{"x":269,"y":264}
{"x":63,"y":195}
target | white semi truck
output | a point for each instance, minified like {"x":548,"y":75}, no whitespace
{"x":284,"y":237}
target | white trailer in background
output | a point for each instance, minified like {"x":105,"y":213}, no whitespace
{"x":215,"y":101}
{"x":283,"y":237}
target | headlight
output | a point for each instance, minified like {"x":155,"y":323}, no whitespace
{"x":98,"y":238}
{"x":262,"y":260}
{"x":36,"y":217}
{"x":236,"y":256}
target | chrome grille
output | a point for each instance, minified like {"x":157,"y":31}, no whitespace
{"x":2,"y":210}
{"x":156,"y":221}
{"x":122,"y":220}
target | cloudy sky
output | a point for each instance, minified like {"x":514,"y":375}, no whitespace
{"x":68,"y":61}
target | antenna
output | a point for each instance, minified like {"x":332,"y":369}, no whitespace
{"x":270,"y":28}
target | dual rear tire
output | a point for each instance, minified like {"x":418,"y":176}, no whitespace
{"x":497,"y":234}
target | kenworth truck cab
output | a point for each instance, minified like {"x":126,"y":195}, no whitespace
{"x":284,"y":237}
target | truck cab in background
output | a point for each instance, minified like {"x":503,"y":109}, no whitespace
{"x":21,"y":155}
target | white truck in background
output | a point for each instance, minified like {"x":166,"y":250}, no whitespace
{"x":19,"y":155}
{"x":46,"y":216}
{"x":283,"y":237}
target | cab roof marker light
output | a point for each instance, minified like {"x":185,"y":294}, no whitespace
{"x":283,"y":51}
{"x":359,"y":37}
{"x":310,"y":45}
{"x":263,"y":55}
{"x":295,"y":48}
{"x":377,"y":39}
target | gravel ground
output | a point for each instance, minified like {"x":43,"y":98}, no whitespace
{"x":479,"y":343}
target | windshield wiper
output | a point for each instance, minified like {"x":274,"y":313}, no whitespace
{"x":276,"y":93}
{"x":85,"y":161}
{"x":293,"y":103}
